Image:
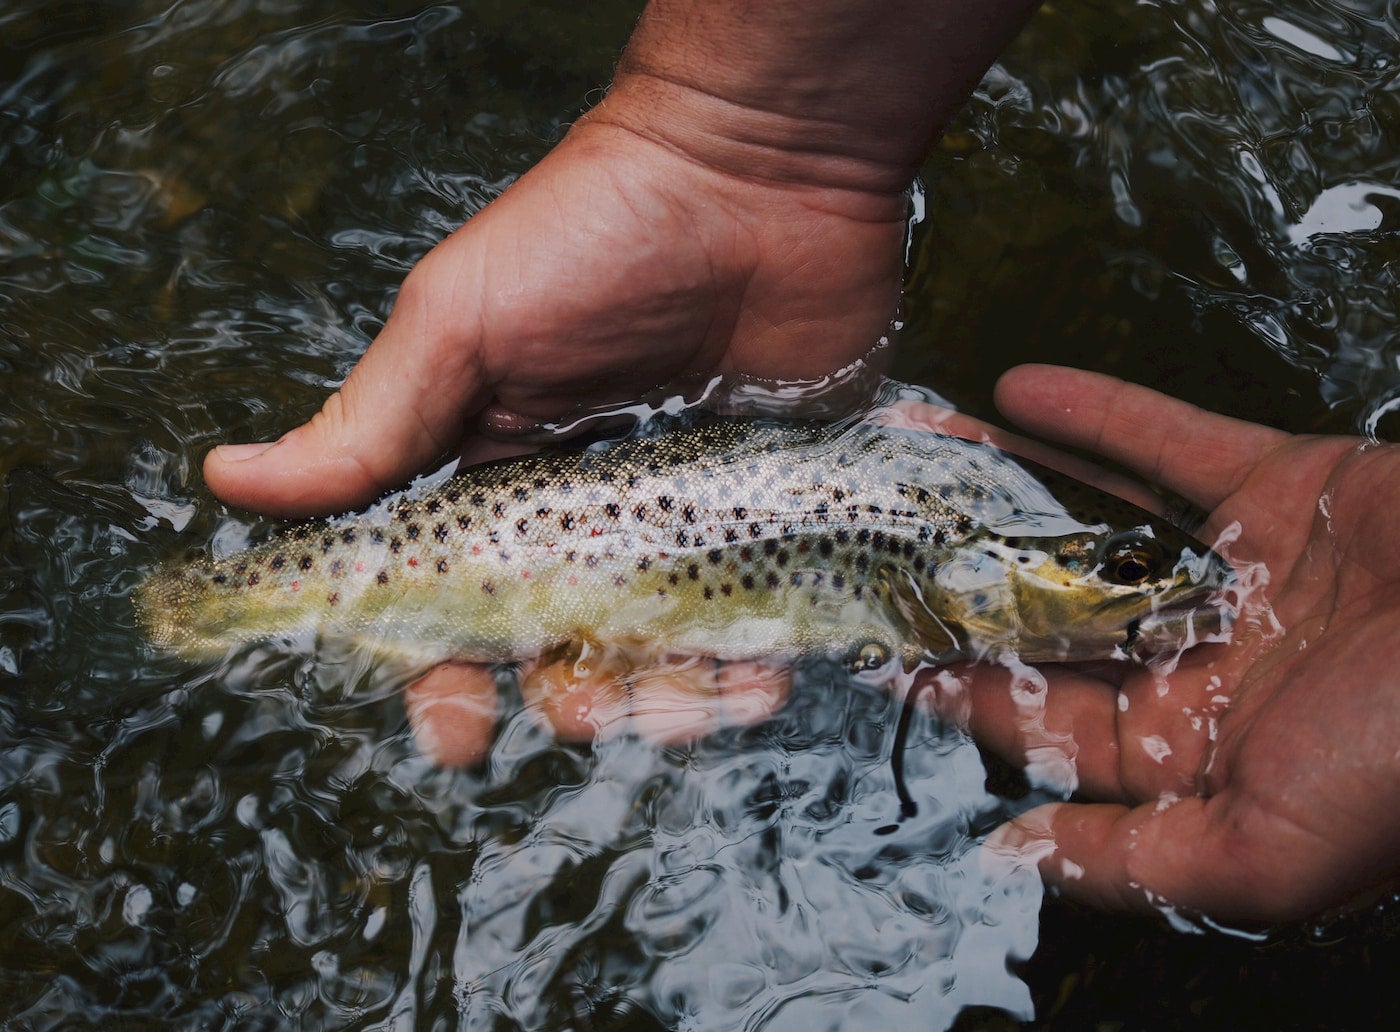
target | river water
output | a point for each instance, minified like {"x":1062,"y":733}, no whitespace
{"x":205,"y":210}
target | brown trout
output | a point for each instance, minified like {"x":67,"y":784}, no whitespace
{"x":731,"y":539}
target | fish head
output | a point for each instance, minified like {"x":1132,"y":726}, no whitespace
{"x":1057,"y":570}
{"x":1119,"y":593}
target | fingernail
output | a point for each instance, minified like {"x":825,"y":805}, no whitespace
{"x":242,"y":452}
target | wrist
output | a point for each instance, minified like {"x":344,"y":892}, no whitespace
{"x":848,"y":94}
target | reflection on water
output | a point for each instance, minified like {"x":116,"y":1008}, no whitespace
{"x":205,"y":209}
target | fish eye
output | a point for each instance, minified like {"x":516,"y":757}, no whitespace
{"x":1131,"y":559}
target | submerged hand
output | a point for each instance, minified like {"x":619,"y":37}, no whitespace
{"x":1255,"y":780}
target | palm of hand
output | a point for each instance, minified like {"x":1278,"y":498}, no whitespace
{"x":1254,"y":779}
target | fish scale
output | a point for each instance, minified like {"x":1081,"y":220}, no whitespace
{"x":734,"y":539}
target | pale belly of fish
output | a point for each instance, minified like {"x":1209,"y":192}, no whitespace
{"x":731,"y":539}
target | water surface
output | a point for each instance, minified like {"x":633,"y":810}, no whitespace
{"x":205,"y":210}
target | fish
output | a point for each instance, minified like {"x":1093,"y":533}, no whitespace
{"x":732,"y":538}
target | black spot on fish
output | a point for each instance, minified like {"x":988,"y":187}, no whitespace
{"x":566,"y":522}
{"x":377,"y":536}
{"x":499,"y":509}
{"x":673,"y":579}
{"x":726,"y":589}
{"x":570,"y":556}
{"x":253,"y":579}
{"x":453,"y":496}
{"x":347,"y":536}
{"x":327,"y":543}
{"x":838,"y":581}
{"x":795,"y":579}
{"x":464,"y":522}
{"x":333,"y":598}
{"x":755,"y":530}
{"x":644,"y":564}
{"x":877,"y":539}
{"x":863,"y":536}
{"x":396,"y":546}
{"x":714,"y":555}
{"x":666,"y":502}
{"x":522,"y":526}
{"x":218,"y":578}
{"x":433,"y":505}
{"x":940,"y":537}
{"x":488,"y":587}
{"x":747,"y":581}
{"x":693,"y":571}
{"x":478,"y":499}
{"x":740,"y":512}
{"x":688,"y":514}
{"x":382,"y":577}
{"x":709,"y":592}
{"x":640,"y":513}
{"x":304,"y":563}
{"x":442,"y":566}
{"x":278,"y":561}
{"x":337,"y":567}
{"x":781,"y":558}
{"x":591,"y":561}
{"x":770,"y":547}
{"x":772,"y":580}
{"x":825,"y":548}
{"x":682,"y":538}
{"x":413,"y":531}
{"x":440,"y":532}
{"x":240,"y":568}
{"x":613,"y":510}
{"x":520,"y":494}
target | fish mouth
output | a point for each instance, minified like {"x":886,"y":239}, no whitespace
{"x":1179,"y":626}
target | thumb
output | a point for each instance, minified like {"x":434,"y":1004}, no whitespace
{"x":402,"y":407}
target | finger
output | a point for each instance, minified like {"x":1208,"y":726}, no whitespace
{"x":452,"y":711}
{"x":670,"y":699}
{"x":914,"y":415}
{"x":1219,"y":856}
{"x":1200,"y":455}
{"x":1057,"y":725}
{"x":1110,"y":731}
{"x":402,"y":407}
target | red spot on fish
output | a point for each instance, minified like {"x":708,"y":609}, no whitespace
{"x":524,"y":574}
{"x":295,"y":585}
{"x":359,"y":567}
{"x":476,"y":549}
{"x":412,"y":560}
{"x":573,"y":581}
{"x":595,"y":532}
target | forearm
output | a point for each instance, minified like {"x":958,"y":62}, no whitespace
{"x":837,"y":93}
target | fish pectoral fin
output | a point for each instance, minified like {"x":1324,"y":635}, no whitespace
{"x":935,"y":637}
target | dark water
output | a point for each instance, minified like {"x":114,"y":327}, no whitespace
{"x":205,"y":210}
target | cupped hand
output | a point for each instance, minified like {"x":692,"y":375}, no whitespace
{"x":617,"y":266}
{"x":1252,"y":780}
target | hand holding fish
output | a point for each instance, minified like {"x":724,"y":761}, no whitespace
{"x":1256,"y":780}
{"x":722,"y":211}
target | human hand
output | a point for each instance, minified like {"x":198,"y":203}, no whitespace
{"x":615,"y":267}
{"x":1253,"y":780}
